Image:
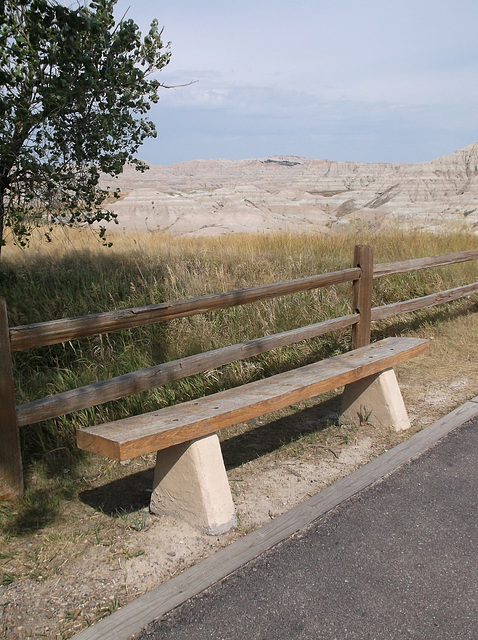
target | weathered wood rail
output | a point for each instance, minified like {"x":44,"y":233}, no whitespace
{"x":361,"y":276}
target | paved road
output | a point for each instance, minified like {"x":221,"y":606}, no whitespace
{"x":397,"y":561}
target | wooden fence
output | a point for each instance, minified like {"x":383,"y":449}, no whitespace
{"x":57,"y":331}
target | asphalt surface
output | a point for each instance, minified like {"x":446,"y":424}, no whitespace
{"x":396,"y":561}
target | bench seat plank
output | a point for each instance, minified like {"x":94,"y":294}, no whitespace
{"x":149,"y":432}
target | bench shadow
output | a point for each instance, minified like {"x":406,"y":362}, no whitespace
{"x":269,"y":437}
{"x":124,"y":495}
{"x":132,"y":493}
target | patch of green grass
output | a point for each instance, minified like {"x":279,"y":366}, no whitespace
{"x":136,"y":521}
{"x":130,"y":555}
{"x":7,"y":578}
{"x":109,"y":607}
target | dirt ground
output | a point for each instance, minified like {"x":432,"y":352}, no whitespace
{"x":106,"y":549}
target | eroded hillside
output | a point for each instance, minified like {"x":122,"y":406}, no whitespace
{"x":216,"y":197}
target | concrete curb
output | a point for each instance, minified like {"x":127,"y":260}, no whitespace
{"x":139,"y":613}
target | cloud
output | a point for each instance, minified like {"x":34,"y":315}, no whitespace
{"x":367,"y":80}
{"x":244,"y":121}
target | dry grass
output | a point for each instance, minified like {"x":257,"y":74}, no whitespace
{"x":56,"y":523}
{"x":76,"y":275}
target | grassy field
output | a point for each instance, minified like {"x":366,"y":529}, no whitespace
{"x":74,"y":275}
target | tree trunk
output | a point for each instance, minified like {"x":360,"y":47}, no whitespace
{"x":2,"y":218}
{"x":4,"y":184}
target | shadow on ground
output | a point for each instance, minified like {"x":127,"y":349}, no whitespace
{"x":124,"y":495}
{"x":266,"y":438}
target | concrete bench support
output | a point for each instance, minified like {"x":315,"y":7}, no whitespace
{"x":376,"y":399}
{"x":190,"y":482}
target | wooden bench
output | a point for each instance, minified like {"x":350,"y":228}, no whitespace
{"x":190,"y":478}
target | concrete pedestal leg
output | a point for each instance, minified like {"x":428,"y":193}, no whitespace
{"x":190,"y":482}
{"x":376,"y":399}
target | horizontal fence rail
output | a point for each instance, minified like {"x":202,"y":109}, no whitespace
{"x":415,"y":304}
{"x":66,"y":329}
{"x":55,"y":331}
{"x":394,"y":268}
{"x":151,"y":377}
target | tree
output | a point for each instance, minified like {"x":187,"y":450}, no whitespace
{"x":75,"y":86}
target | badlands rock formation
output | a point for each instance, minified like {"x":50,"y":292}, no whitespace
{"x":216,"y":197}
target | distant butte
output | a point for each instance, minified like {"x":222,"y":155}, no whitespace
{"x":217,"y":197}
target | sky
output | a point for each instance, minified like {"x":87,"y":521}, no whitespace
{"x":352,"y":80}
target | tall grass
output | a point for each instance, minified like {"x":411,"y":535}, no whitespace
{"x":74,"y":275}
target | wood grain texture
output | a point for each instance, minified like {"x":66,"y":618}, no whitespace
{"x":11,"y":474}
{"x":362,"y":296}
{"x":54,"y":331}
{"x":388,"y":310}
{"x":392,"y":268}
{"x":138,"y":435}
{"x":63,"y":330}
{"x":145,"y":379}
{"x":130,"y":619}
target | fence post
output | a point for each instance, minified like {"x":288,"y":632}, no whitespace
{"x":362,"y":296}
{"x":11,"y":474}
